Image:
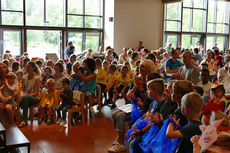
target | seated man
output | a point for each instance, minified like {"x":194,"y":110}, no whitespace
{"x":172,"y":65}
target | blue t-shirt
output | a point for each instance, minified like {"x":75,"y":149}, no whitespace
{"x":171,"y":65}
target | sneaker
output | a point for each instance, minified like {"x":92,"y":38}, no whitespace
{"x":91,"y":109}
{"x":58,"y":121}
{"x":117,"y":148}
{"x":63,"y":122}
{"x":115,"y":142}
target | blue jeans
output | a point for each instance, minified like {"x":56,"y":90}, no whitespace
{"x":64,"y":108}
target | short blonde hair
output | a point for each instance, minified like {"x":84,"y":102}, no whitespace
{"x":183,"y":87}
{"x":156,"y":84}
{"x":193,"y":102}
{"x":149,"y":65}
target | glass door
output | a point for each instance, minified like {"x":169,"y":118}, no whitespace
{"x":93,"y":41}
{"x":76,"y":38}
{"x":173,"y":39}
{"x":40,"y":42}
{"x":11,"y":40}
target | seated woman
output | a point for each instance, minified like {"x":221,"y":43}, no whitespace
{"x":138,"y":90}
{"x":88,"y":77}
{"x":30,"y":90}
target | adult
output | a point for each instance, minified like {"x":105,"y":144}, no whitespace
{"x":218,"y":58}
{"x":124,"y":56}
{"x":30,"y":89}
{"x":138,"y":90}
{"x":140,"y":46}
{"x":109,"y":55}
{"x":100,"y":54}
{"x":209,"y":60}
{"x":215,"y":46}
{"x":69,"y":50}
{"x":201,"y":50}
{"x":172,"y":65}
{"x":3,"y":71}
{"x":169,"y":48}
{"x":189,"y":71}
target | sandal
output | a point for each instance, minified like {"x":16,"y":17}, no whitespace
{"x":22,"y":124}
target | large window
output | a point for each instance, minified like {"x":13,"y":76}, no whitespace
{"x":46,"y":25}
{"x":191,"y":21}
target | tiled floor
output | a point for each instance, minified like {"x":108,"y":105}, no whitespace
{"x":94,"y":137}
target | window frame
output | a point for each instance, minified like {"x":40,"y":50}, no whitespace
{"x":64,"y":29}
{"x":205,"y":32}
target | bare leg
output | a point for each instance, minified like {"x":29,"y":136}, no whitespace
{"x":10,"y":112}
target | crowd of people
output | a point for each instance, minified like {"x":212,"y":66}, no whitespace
{"x":173,"y":91}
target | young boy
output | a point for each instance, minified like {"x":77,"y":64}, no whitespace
{"x":48,"y":102}
{"x":67,"y":102}
{"x":191,"y":105}
{"x":179,"y":89}
{"x":112,"y":79}
{"x":101,"y":77}
{"x":122,"y":85}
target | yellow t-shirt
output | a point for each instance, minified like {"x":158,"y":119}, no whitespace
{"x":131,"y":74}
{"x":111,"y":79}
{"x":102,"y":76}
{"x":50,"y":98}
{"x":122,"y":80}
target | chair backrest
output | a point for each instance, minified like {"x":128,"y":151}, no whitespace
{"x":78,"y":98}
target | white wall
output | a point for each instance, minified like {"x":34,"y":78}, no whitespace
{"x":136,"y":20}
{"x":109,"y":26}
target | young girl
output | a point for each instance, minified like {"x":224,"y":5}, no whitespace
{"x":112,"y":79}
{"x":48,"y":102}
{"x":8,"y":91}
{"x":101,"y":77}
{"x":218,"y":102}
{"x":122,"y":86}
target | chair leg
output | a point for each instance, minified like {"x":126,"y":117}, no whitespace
{"x":31,"y":116}
{"x":69,"y":118}
{"x":83,"y":116}
{"x":99,"y":107}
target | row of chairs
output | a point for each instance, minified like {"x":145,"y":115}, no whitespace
{"x":80,"y":107}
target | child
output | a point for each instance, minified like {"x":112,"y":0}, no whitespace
{"x":191,"y":105}
{"x":69,"y":65}
{"x":218,"y":102}
{"x":122,"y":85}
{"x":106,"y":66}
{"x":8,"y":91}
{"x":112,"y":79}
{"x":67,"y":102}
{"x":48,"y":102}
{"x":130,"y":72}
{"x":179,"y":89}
{"x":19,"y":74}
{"x":169,"y":106}
{"x":101,"y":77}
